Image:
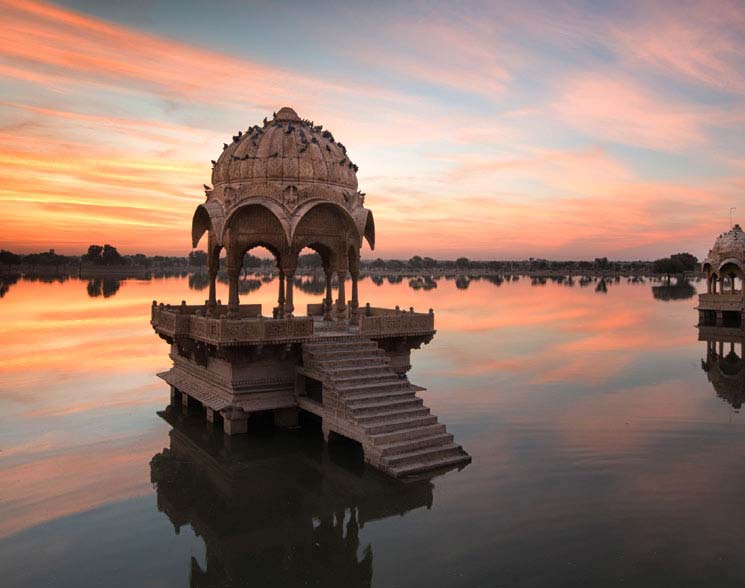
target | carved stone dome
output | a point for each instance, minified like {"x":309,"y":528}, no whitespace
{"x":729,"y":245}
{"x":285,"y":154}
{"x":285,"y":182}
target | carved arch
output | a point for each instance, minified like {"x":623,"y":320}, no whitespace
{"x":271,"y":205}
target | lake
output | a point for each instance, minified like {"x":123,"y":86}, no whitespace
{"x":602,"y":454}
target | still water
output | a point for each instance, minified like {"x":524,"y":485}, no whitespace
{"x":602,"y":455}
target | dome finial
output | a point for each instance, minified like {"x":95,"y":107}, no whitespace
{"x":286,"y":114}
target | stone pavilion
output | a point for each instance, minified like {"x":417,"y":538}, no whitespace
{"x":723,"y":304}
{"x":287,"y":185}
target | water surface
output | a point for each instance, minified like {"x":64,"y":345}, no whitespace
{"x":602,"y":455}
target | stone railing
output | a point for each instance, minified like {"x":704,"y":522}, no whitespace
{"x":721,"y":301}
{"x":383,"y":322}
{"x":188,"y":321}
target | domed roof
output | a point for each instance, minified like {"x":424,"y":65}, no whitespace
{"x":729,"y":245}
{"x":285,"y":150}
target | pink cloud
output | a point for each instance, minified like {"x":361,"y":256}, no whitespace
{"x":618,"y":109}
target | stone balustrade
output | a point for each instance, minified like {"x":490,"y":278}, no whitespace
{"x":718,"y":301}
{"x":248,"y":328}
{"x":382,"y":322}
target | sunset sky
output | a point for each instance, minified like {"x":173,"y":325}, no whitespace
{"x":491,"y":130}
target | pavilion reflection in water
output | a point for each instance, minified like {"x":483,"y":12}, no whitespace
{"x":725,"y":363}
{"x":275,"y":509}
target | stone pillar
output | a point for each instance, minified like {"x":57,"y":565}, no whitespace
{"x":286,"y":418}
{"x":341,"y":304}
{"x":721,"y":285}
{"x":701,"y":317}
{"x":281,"y":297}
{"x":708,"y":284}
{"x":235,"y":422}
{"x":721,"y":348}
{"x":212,"y":302}
{"x":174,"y":394}
{"x":289,"y":307}
{"x":328,"y":302}
{"x":355,"y":294}
{"x":719,"y":318}
{"x":233,"y":300}
{"x":732,"y":284}
{"x":185,"y":403}
{"x":210,"y":414}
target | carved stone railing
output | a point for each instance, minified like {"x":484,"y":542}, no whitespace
{"x":188,"y":321}
{"x":385,"y":322}
{"x":721,"y":301}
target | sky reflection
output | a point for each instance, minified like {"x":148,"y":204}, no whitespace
{"x":593,"y":431}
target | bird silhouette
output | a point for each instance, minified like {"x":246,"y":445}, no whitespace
{"x":206,"y":188}
{"x":213,"y":162}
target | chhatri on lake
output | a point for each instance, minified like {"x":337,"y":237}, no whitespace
{"x":722,"y":316}
{"x":288,"y":185}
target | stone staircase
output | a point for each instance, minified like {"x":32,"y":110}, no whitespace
{"x":363,"y":399}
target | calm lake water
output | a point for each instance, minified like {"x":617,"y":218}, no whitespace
{"x":602,"y":455}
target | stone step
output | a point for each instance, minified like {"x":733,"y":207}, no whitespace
{"x":353,"y":390}
{"x":344,"y":354}
{"x":356,"y":370}
{"x":376,"y":405}
{"x":412,"y":444}
{"x":423,"y":455}
{"x":391,"y":415}
{"x":430,"y":466}
{"x":411,"y":433}
{"x":359,"y":401}
{"x":399,"y":424}
{"x":338,"y":346}
{"x":363,"y":361}
{"x":383,"y":375}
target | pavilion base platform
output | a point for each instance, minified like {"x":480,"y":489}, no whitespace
{"x":351,"y":376}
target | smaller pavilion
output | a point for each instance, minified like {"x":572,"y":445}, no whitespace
{"x":723,"y":304}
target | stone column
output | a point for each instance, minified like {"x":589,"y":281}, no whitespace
{"x":341,"y":304}
{"x":355,"y":302}
{"x":355,"y":294}
{"x":721,"y":285}
{"x":708,"y":284}
{"x":732,"y":284}
{"x":328,"y":302}
{"x":233,"y":301}
{"x":281,"y":297}
{"x":289,"y":284}
{"x":212,"y":302}
{"x":235,"y":422}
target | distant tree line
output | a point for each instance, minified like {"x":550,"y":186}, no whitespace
{"x":532,"y":264}
{"x":108,"y":256}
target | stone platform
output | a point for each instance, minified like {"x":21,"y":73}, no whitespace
{"x":351,"y":373}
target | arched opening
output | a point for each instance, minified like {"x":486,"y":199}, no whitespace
{"x":255,"y":259}
{"x":732,"y":272}
{"x":256,"y":226}
{"x":315,"y":278}
{"x":329,"y":230}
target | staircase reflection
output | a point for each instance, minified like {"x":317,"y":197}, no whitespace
{"x":724,"y":363}
{"x":275,"y":509}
